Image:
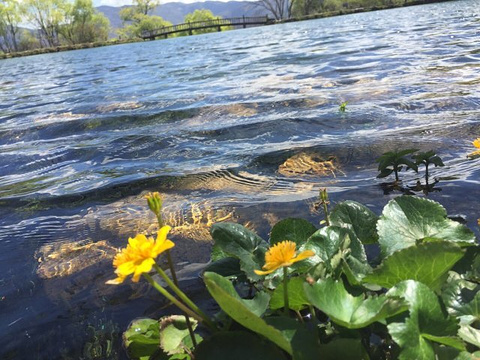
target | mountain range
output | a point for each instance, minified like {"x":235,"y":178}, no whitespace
{"x":175,"y":11}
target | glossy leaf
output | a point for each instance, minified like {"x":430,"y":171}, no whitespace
{"x":243,"y":244}
{"x":297,"y":299}
{"x":425,"y":324}
{"x":296,"y":230}
{"x":357,"y":218}
{"x":142,"y":338}
{"x":242,"y":311}
{"x":331,"y":246}
{"x":352,"y":312}
{"x":228,"y":267}
{"x":237,"y":345}
{"x":173,"y":331}
{"x":407,"y":220}
{"x":428,"y":263}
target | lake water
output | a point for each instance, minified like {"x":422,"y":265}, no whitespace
{"x":243,"y":125}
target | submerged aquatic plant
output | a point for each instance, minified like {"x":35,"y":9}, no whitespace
{"x":393,"y":161}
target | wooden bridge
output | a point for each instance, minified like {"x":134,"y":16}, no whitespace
{"x":198,"y":25}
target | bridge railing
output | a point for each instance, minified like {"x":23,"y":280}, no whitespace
{"x":193,"y":25}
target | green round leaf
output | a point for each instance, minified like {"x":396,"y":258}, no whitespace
{"x":357,"y":218}
{"x":296,"y":230}
{"x":407,"y":220}
{"x":427,"y":263}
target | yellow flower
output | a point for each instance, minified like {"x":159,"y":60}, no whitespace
{"x":282,"y":254}
{"x":139,"y":255}
{"x":475,"y":143}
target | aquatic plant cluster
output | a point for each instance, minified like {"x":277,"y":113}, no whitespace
{"x":308,"y":293}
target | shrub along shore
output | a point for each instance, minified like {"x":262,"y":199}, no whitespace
{"x":293,"y":19}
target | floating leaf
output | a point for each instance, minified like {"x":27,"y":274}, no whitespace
{"x":297,"y":299}
{"x":243,"y":244}
{"x":173,"y":331}
{"x":427,"y":262}
{"x":359,"y":219}
{"x":407,"y":220}
{"x":225,"y":295}
{"x":296,"y":230}
{"x":142,"y":338}
{"x":352,"y":312}
{"x":426,"y":323}
{"x":237,"y":345}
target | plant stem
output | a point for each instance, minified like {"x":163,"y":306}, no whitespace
{"x":325,"y":210}
{"x":285,"y":291}
{"x":170,"y":297}
{"x":175,"y":281}
{"x":426,"y":173}
{"x":185,"y":298}
{"x":160,"y":220}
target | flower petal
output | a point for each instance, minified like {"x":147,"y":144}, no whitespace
{"x":302,"y":256}
{"x":162,"y":233}
{"x":115,"y":281}
{"x":144,"y":267}
{"x":259,"y":272}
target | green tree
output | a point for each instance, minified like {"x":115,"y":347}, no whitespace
{"x":202,"y":15}
{"x":142,"y":23}
{"x":306,"y":7}
{"x":136,"y":19}
{"x":47,"y":16}
{"x":10,"y":17}
{"x":84,"y":24}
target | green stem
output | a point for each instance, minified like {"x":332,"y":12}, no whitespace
{"x":175,"y":281}
{"x":170,"y":297}
{"x":160,"y":220}
{"x":185,"y":298}
{"x":325,"y":210}
{"x":285,"y":291}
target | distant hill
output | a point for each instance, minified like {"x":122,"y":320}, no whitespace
{"x":175,"y":12}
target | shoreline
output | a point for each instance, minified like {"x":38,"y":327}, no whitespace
{"x":322,"y":15}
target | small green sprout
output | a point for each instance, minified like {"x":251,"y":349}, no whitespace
{"x":392,"y":161}
{"x":427,"y":158}
{"x":343,"y":106}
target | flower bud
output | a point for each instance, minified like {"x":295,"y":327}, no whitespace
{"x":154,"y":201}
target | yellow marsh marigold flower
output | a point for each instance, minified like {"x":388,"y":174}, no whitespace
{"x":475,"y":143}
{"x":282,"y":254}
{"x":139,"y":255}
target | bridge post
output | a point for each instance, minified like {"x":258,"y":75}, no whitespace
{"x":244,"y":23}
{"x":190,"y":28}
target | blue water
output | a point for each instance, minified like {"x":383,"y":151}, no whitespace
{"x":86,"y":131}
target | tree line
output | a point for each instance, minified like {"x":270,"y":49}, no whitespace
{"x":31,"y":24}
{"x":52,"y":23}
